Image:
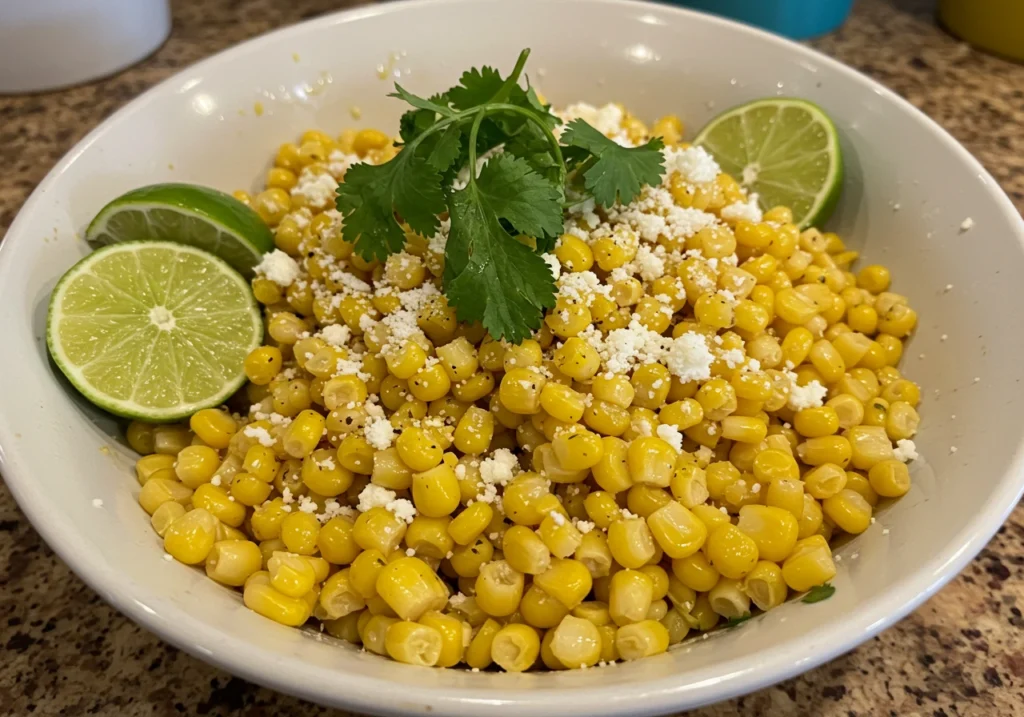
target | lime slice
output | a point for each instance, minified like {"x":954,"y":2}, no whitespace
{"x":153,"y":330}
{"x":786,"y":150}
{"x":187,"y":214}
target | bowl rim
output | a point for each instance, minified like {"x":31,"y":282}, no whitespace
{"x":735,"y":677}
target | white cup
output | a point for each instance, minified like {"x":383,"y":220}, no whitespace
{"x":46,"y":44}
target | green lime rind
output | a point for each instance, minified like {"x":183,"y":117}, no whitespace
{"x":187,"y":214}
{"x":153,"y":330}
{"x":787,"y":150}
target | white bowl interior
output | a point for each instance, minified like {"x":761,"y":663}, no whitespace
{"x":908,"y":188}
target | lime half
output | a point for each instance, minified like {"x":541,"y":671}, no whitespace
{"x":153,"y":330}
{"x":784,"y":149}
{"x":187,"y":214}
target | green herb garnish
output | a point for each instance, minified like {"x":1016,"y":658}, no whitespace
{"x":819,"y":593}
{"x":734,"y":621}
{"x":508,"y":212}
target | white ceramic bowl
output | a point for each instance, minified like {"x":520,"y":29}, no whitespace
{"x":58,"y":453}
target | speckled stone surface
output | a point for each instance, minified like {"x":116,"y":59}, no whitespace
{"x":63,"y":651}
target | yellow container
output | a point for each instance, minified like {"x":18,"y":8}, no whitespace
{"x":993,"y":25}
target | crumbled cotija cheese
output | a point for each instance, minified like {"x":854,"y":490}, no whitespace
{"x":317,"y":189}
{"x":260,"y":434}
{"x":810,"y":396}
{"x":336,"y":335}
{"x":905,"y":451}
{"x":694,"y":164}
{"x":279,"y":268}
{"x":671,"y":436}
{"x":379,"y":433}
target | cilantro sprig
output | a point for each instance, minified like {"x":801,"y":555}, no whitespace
{"x":819,"y":593}
{"x":504,"y":214}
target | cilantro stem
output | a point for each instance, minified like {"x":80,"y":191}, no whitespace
{"x":502,"y":94}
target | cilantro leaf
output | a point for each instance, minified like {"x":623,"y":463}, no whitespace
{"x":819,"y":593}
{"x":735,"y":621}
{"x":520,"y":196}
{"x":445,"y":148}
{"x":475,"y":88}
{"x":372,"y":194}
{"x":618,"y":173}
{"x":490,"y":276}
{"x":430,"y":105}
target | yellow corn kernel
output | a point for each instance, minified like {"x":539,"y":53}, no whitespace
{"x":414,"y":643}
{"x":261,"y":462}
{"x":215,"y":499}
{"x":576,"y":359}
{"x":300,"y":532}
{"x":601,"y":508}
{"x":889,"y":478}
{"x":303,"y":434}
{"x":868,"y":445}
{"x":809,"y":564}
{"x":374,"y":632}
{"x":499,"y":588}
{"x":429,"y":538}
{"x":525,"y":551}
{"x":643,"y":500}
{"x":164,"y":515}
{"x":728,"y":599}
{"x":731,"y":551}
{"x":576,"y":642}
{"x":606,"y":418}
{"x":521,"y":498}
{"x":682,"y":414}
{"x":678,"y":531}
{"x":825,"y":481}
{"x":540,"y":610}
{"x":568,"y":581}
{"x":190,"y":538}
{"x":594,"y":611}
{"x":260,"y":597}
{"x":520,"y":390}
{"x":689,"y":485}
{"x":641,"y":639}
{"x":900,"y":389}
{"x":291,"y":574}
{"x":231,"y":562}
{"x":515,"y":647}
{"x":594,"y":553}
{"x":215,"y":427}
{"x":562,"y":402}
{"x":786,"y":494}
{"x":774,"y":530}
{"x":630,"y":596}
{"x":695,"y":572}
{"x":196,"y":465}
{"x":156,"y":465}
{"x":336,"y":541}
{"x":419,"y":448}
{"x":849,"y":511}
{"x":631,"y":542}
{"x":611,"y":472}
{"x":577,"y":450}
{"x":435,"y":492}
{"x":827,"y":449}
{"x":717,"y":399}
{"x":411,"y":588}
{"x":744,"y":429}
{"x":612,"y":388}
{"x":380,"y":529}
{"x":470,"y":523}
{"x":650,"y":460}
{"x":765,"y":585}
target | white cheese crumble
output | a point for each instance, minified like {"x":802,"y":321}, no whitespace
{"x":694,"y":164}
{"x":553,"y":264}
{"x":905,"y":451}
{"x":380,"y":433}
{"x":317,"y":189}
{"x":966,"y":224}
{"x":261,"y":434}
{"x":743,"y":211}
{"x":97,"y":502}
{"x":279,"y":268}
{"x":336,"y":335}
{"x":672,"y":436}
{"x":374,"y":496}
{"x":810,"y":396}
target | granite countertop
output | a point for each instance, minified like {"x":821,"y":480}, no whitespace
{"x":63,"y":651}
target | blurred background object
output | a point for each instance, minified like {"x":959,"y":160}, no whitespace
{"x":46,"y":44}
{"x":798,"y":19}
{"x":993,"y":25}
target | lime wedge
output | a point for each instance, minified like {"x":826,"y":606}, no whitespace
{"x":187,"y":214}
{"x":786,"y":150}
{"x":153,"y":330}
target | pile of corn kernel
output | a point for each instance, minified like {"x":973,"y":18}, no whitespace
{"x":714,"y":398}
